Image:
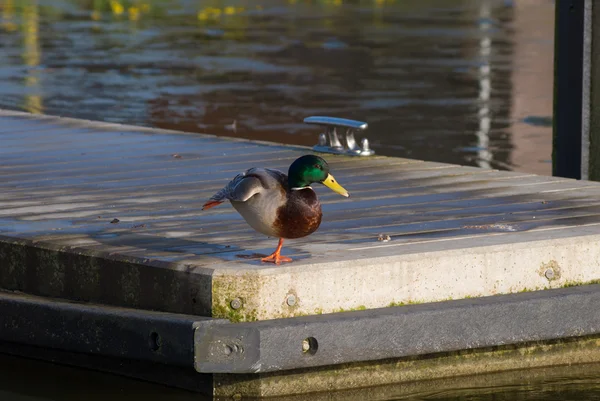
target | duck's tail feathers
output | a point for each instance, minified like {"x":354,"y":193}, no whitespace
{"x":240,"y":189}
{"x":217,"y":198}
{"x":222,"y":195}
{"x":210,"y":203}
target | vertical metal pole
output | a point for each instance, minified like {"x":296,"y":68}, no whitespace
{"x":568,"y":85}
{"x":591,"y":143}
{"x":485,"y":156}
{"x":586,"y":89}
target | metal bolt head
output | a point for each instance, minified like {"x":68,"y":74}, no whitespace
{"x":291,"y":300}
{"x":236,"y":303}
{"x":549,"y":273}
{"x":305,"y":345}
{"x":230,"y":349}
{"x":383,"y":237}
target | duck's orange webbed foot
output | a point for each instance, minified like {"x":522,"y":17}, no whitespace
{"x":276,"y":256}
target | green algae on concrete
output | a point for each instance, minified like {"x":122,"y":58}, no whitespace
{"x":402,"y":303}
{"x":578,"y":283}
{"x":359,"y":307}
{"x":411,"y":369}
{"x":474,"y":385}
{"x":236,"y":297}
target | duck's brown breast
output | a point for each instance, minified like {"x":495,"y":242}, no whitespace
{"x":300,"y":216}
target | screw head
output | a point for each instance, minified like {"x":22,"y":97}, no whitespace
{"x":383,"y":237}
{"x":291,"y":300}
{"x":549,"y":273}
{"x":236,"y":303}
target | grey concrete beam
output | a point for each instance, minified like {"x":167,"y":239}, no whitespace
{"x":98,"y":329}
{"x":395,"y":332}
{"x":217,"y":346}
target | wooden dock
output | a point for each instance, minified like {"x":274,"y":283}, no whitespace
{"x":110,"y":215}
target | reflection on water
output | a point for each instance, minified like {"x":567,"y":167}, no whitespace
{"x":445,"y":80}
{"x":28,"y":380}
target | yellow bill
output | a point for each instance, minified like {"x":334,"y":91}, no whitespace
{"x":332,"y":184}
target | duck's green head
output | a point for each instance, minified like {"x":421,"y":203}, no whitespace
{"x":308,"y":169}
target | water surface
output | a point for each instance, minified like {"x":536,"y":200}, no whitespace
{"x":459,"y":81}
{"x":29,"y":380}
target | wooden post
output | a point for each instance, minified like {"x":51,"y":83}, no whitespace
{"x":576,"y":133}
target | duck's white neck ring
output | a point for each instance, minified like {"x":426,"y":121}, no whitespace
{"x":299,"y":188}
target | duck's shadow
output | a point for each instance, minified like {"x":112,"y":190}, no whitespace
{"x":179,"y":248}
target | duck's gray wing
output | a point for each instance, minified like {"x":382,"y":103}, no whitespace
{"x":247,"y":184}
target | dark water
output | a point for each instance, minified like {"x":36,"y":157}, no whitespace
{"x":467,"y":82}
{"x":28,"y":380}
{"x":460,"y":81}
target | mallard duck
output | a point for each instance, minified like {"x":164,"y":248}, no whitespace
{"x":279,"y":205}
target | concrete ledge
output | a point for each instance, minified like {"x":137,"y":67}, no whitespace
{"x":422,"y":271}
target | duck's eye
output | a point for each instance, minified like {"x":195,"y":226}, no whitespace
{"x":319,"y":166}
